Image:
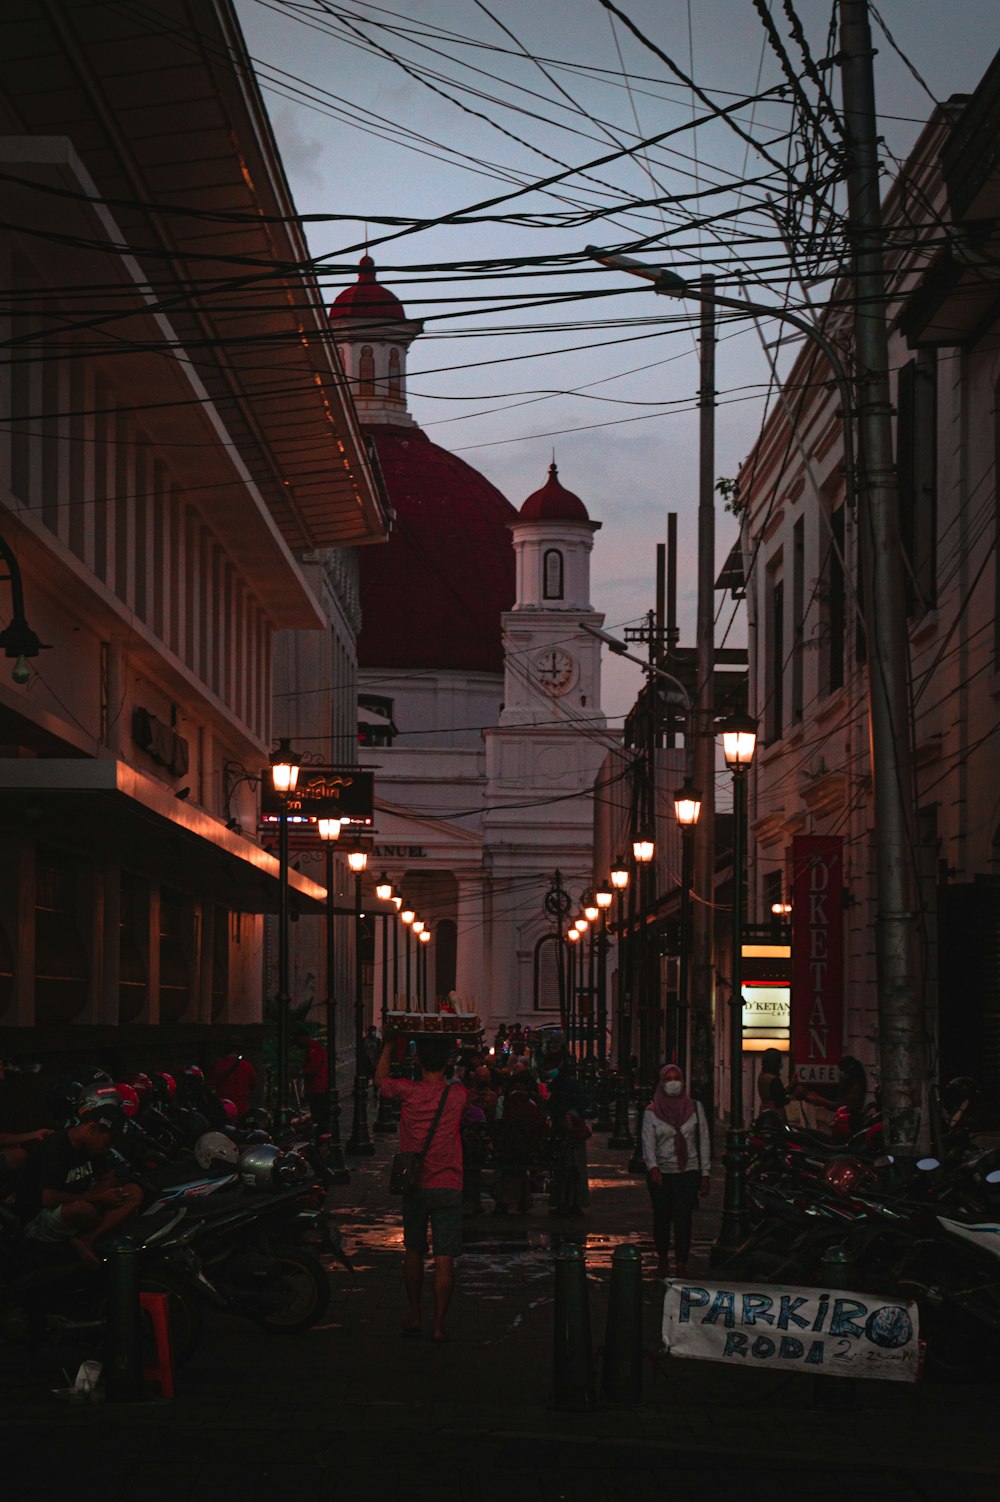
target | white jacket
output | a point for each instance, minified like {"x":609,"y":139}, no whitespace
{"x":659,"y":1148}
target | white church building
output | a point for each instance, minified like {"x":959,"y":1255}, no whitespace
{"x":479,"y":696}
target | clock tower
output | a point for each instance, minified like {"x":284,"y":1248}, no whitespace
{"x":552,"y":668}
{"x":545,"y":755}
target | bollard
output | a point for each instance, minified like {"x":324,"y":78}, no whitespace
{"x":837,"y":1393}
{"x":124,"y":1360}
{"x":621,"y":1373}
{"x":572,"y":1355}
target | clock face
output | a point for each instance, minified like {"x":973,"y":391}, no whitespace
{"x":555,"y":670}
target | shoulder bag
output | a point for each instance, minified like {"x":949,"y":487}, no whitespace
{"x":404,"y":1170}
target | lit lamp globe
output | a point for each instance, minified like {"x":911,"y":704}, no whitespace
{"x":604,"y":898}
{"x":590,"y":910}
{"x":407,"y":916}
{"x":739,"y":741}
{"x":284,"y":767}
{"x":425,"y":937}
{"x":781,"y":909}
{"x":687,"y":805}
{"x":329,"y":829}
{"x":619,"y":875}
{"x":397,"y":902}
{"x":642,"y":849}
{"x":572,"y":934}
{"x":357,"y":860}
{"x":419,"y":925}
{"x":383,"y":888}
{"x":580,"y":925}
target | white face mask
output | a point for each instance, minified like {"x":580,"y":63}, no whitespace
{"x":673,"y":1087}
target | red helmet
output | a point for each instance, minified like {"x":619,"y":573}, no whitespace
{"x":130,"y":1099}
{"x":169,"y":1084}
{"x":850,"y":1176}
{"x":194,"y":1072}
{"x":143,"y":1087}
{"x":229,"y":1109}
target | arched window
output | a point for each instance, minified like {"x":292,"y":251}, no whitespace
{"x":366,"y":372}
{"x":552,"y":574}
{"x":546,"y":977}
{"x":395,"y":382}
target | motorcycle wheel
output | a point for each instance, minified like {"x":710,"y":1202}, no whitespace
{"x":306,"y":1287}
{"x":184,"y":1312}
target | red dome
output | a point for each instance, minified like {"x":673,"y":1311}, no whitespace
{"x":432,"y":596}
{"x":367,"y":299}
{"x":553,"y":503}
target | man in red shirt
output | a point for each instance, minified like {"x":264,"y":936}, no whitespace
{"x":233,"y":1078}
{"x":438,"y":1199}
{"x":315,"y":1075}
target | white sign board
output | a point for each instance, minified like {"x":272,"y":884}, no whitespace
{"x":824,"y":1331}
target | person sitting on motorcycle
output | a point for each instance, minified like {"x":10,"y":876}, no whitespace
{"x":771,"y":1092}
{"x":67,"y":1191}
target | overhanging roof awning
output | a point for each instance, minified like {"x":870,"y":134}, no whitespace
{"x":106,"y":810}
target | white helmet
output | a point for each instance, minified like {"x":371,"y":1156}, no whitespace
{"x":213,"y":1148}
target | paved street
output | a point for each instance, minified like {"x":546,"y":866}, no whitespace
{"x":352,"y":1407}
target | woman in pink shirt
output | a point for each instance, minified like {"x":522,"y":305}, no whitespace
{"x":438,"y":1198}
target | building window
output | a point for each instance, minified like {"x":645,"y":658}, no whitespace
{"x":546,"y":976}
{"x":62,"y":966}
{"x":552,"y":574}
{"x":395,"y":375}
{"x":176,"y":918}
{"x":366,"y":371}
{"x":774,"y":654}
{"x":375,"y":722}
{"x":916,"y":466}
{"x":798,"y":616}
{"x":833,"y":606}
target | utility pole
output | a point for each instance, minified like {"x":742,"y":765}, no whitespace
{"x":703,"y":762}
{"x":902,"y":1024}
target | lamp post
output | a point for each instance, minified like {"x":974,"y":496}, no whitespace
{"x":573,"y":941}
{"x":422,"y":956}
{"x":643,"y":849}
{"x":359,"y":1141}
{"x":329,"y":833}
{"x":385,"y":1118}
{"x":397,"y":903}
{"x":284,"y":777}
{"x":739,"y":740}
{"x":687,"y":807}
{"x":620,"y":1136}
{"x":603,"y":899}
{"x":416,"y":929}
{"x":591,"y":912}
{"x":406,"y":917}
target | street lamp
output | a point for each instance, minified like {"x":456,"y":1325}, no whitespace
{"x":620,"y":1137}
{"x":739,"y":741}
{"x":284,"y":776}
{"x":687,"y":807}
{"x":359,"y":1141}
{"x":422,"y":955}
{"x":329,"y":833}
{"x":643,"y":849}
{"x":603,"y":898}
{"x":406,"y":917}
{"x":591,"y":913}
{"x":385,"y":1117}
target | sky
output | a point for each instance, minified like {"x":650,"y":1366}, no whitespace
{"x":431,"y":110}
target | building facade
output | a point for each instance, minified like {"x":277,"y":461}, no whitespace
{"x":182,"y":483}
{"x":809,"y":652}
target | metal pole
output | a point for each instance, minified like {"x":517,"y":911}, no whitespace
{"x":335,"y":1152}
{"x":359,"y":1141}
{"x":591,"y":987}
{"x":602,"y":991}
{"x":407,"y":1006}
{"x":684,"y":978}
{"x":620,"y":1137}
{"x":284,"y":1000}
{"x":703,"y":769}
{"x":902,"y":1024}
{"x":733,"y":1228}
{"x":395,"y":961}
{"x":385,"y":969}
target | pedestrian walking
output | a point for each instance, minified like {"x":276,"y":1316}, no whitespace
{"x":676,"y":1150}
{"x":430,"y":1121}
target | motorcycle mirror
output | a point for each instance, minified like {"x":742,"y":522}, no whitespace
{"x":994,"y":1177}
{"x":927,"y":1165}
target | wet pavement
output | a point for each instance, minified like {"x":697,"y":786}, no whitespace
{"x":351,"y":1407}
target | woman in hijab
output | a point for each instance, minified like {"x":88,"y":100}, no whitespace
{"x":677,"y":1153}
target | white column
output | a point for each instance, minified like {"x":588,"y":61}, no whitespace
{"x":470,"y":956}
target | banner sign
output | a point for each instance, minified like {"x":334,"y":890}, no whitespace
{"x":811,"y":1330}
{"x":817,"y":957}
{"x":322,"y":793}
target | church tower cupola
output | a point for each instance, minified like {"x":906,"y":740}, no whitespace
{"x":553,"y":538}
{"x":373,"y":335}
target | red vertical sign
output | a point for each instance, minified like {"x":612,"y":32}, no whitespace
{"x":817,"y":957}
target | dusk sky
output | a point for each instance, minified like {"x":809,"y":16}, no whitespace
{"x":432,"y":107}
